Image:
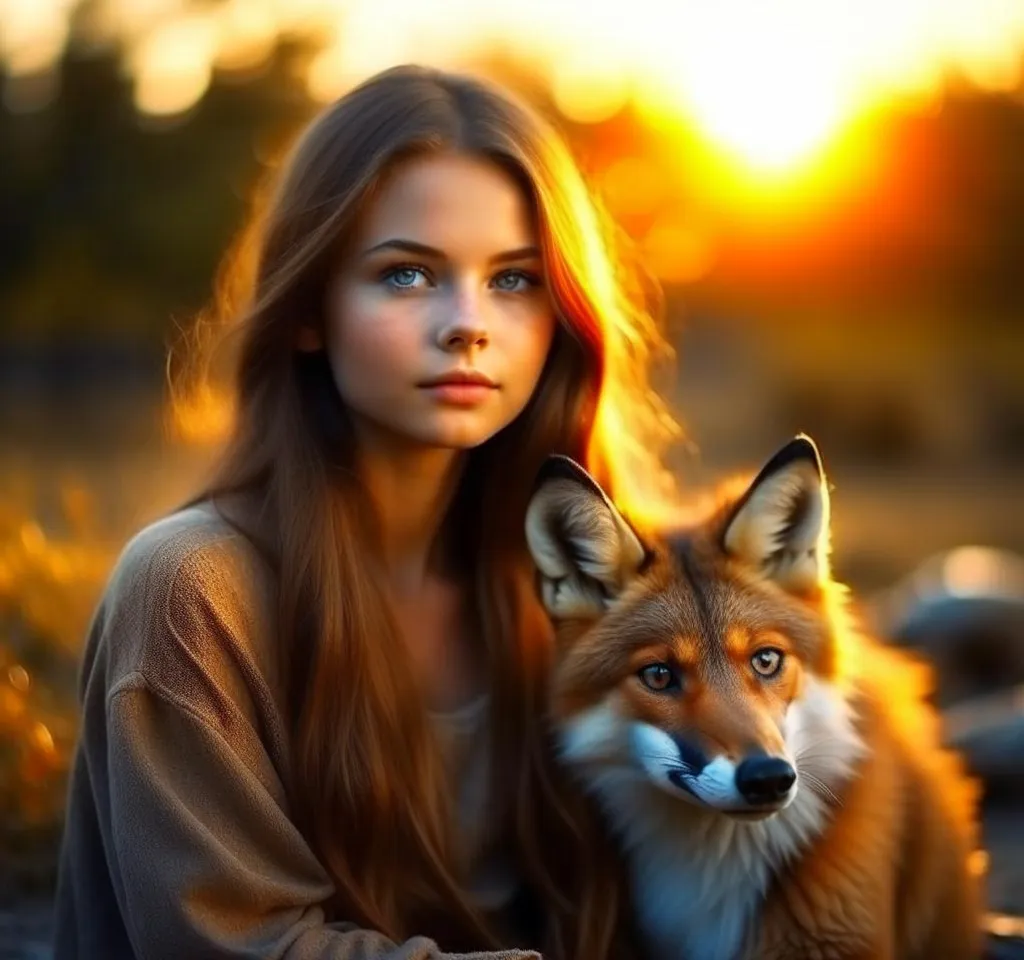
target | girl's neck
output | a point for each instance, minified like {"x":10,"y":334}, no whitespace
{"x":412,"y":490}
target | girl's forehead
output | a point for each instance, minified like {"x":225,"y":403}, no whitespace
{"x":453,"y":202}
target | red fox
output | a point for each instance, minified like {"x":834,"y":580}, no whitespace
{"x":773,"y":776}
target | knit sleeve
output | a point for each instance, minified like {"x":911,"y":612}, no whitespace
{"x":178,"y":839}
{"x":211,"y":867}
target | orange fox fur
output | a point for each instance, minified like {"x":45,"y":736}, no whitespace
{"x":773,"y":777}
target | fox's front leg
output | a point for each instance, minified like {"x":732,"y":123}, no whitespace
{"x":825,"y":939}
{"x":845,"y":948}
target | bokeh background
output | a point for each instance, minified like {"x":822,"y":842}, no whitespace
{"x":831,"y":194}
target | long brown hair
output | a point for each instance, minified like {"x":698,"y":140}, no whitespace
{"x":366,"y":784}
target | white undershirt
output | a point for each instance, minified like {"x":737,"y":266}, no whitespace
{"x":465,"y":741}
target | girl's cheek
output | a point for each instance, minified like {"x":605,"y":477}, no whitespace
{"x":367,"y":321}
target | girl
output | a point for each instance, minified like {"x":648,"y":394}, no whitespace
{"x":313,"y":697}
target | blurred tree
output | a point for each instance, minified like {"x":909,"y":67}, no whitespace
{"x":113,"y":221}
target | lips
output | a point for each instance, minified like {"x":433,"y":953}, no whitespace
{"x":460,"y":378}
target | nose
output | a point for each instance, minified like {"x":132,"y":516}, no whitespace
{"x":462,"y":336}
{"x":764,"y":779}
{"x":466,"y":329}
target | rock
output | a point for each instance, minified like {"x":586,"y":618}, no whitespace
{"x":964,"y":612}
{"x":1004,"y":948}
{"x":25,"y":930}
{"x":989,"y":732}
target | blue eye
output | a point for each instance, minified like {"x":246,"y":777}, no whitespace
{"x":405,"y":278}
{"x":515,"y":281}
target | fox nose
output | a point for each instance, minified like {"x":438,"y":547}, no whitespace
{"x":764,"y":779}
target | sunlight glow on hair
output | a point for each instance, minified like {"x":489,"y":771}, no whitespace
{"x":633,"y":425}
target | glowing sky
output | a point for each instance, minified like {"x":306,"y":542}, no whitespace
{"x":769,"y":81}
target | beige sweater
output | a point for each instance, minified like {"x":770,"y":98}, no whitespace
{"x":178,"y":842}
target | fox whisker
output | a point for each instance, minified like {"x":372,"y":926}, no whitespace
{"x":820,"y":786}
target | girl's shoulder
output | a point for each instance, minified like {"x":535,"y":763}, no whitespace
{"x":188,"y":612}
{"x":161,"y":547}
{"x":193,"y":556}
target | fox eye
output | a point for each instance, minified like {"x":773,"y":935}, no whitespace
{"x":659,"y":677}
{"x":767,"y":662}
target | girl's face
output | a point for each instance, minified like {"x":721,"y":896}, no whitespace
{"x":439,"y":322}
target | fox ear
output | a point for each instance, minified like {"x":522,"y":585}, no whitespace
{"x":585,"y":550}
{"x":780,"y":526}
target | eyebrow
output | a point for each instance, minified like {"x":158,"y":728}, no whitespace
{"x":411,"y":246}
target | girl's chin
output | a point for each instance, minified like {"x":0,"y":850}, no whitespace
{"x":458,"y":433}
{"x":452,"y":430}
